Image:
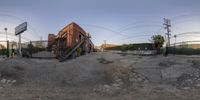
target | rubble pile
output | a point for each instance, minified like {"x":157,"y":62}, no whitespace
{"x":137,"y":78}
{"x":103,"y":61}
{"x":2,"y":58}
{"x":121,"y":81}
{"x":189,"y":81}
{"x":107,"y":88}
{"x":6,"y":82}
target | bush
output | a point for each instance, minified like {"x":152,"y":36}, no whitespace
{"x":124,"y":48}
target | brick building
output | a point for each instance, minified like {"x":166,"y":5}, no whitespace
{"x":69,"y":37}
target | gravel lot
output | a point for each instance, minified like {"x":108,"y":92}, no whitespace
{"x":101,"y":76}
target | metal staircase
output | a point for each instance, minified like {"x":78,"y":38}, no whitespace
{"x":72,"y":50}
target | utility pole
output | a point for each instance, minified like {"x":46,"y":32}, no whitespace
{"x":6,"y":33}
{"x":20,"y":45}
{"x":105,"y":45}
{"x":167,"y":25}
{"x":175,"y":40}
{"x":175,"y":44}
{"x":7,"y":50}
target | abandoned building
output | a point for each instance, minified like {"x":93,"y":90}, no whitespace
{"x":72,"y":40}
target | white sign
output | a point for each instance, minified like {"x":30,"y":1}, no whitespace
{"x":21,"y":28}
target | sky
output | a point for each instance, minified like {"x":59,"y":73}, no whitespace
{"x":113,"y":21}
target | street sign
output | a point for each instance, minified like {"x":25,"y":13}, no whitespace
{"x":18,"y":30}
{"x":21,"y":28}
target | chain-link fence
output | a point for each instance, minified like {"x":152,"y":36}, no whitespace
{"x":3,"y":48}
{"x":186,"y":48}
{"x":34,"y":49}
{"x":8,"y":48}
{"x":37,"y":49}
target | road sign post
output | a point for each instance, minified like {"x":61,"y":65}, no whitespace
{"x":19,"y":44}
{"x":18,"y":30}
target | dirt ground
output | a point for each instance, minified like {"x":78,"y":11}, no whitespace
{"x":101,"y":76}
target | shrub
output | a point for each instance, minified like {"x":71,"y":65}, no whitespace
{"x":124,"y":47}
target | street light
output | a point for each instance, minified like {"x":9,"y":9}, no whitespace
{"x":175,"y":40}
{"x":7,"y":51}
{"x":175,"y":44}
{"x":6,"y":33}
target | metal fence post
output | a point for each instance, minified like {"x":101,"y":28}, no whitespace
{"x":7,"y":50}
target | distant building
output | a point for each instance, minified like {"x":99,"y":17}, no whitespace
{"x":51,"y":38}
{"x":138,"y":46}
{"x":107,"y":46}
{"x":192,"y":46}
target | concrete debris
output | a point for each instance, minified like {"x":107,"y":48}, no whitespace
{"x":6,"y":82}
{"x":115,"y":86}
{"x":103,"y":61}
{"x":2,"y":58}
{"x":137,"y":78}
{"x":196,"y":64}
{"x":176,"y":71}
{"x":107,"y":88}
{"x":166,"y":64}
{"x":97,"y":74}
{"x":191,"y":81}
{"x":120,"y":82}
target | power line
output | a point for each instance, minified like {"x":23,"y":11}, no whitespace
{"x":127,"y":37}
{"x":134,"y":23}
{"x":136,"y":26}
{"x":176,"y":18}
{"x":131,"y":37}
{"x":101,"y":27}
{"x":185,"y":33}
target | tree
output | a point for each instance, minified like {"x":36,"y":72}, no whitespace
{"x":124,"y":48}
{"x":2,"y":46}
{"x":158,"y":41}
